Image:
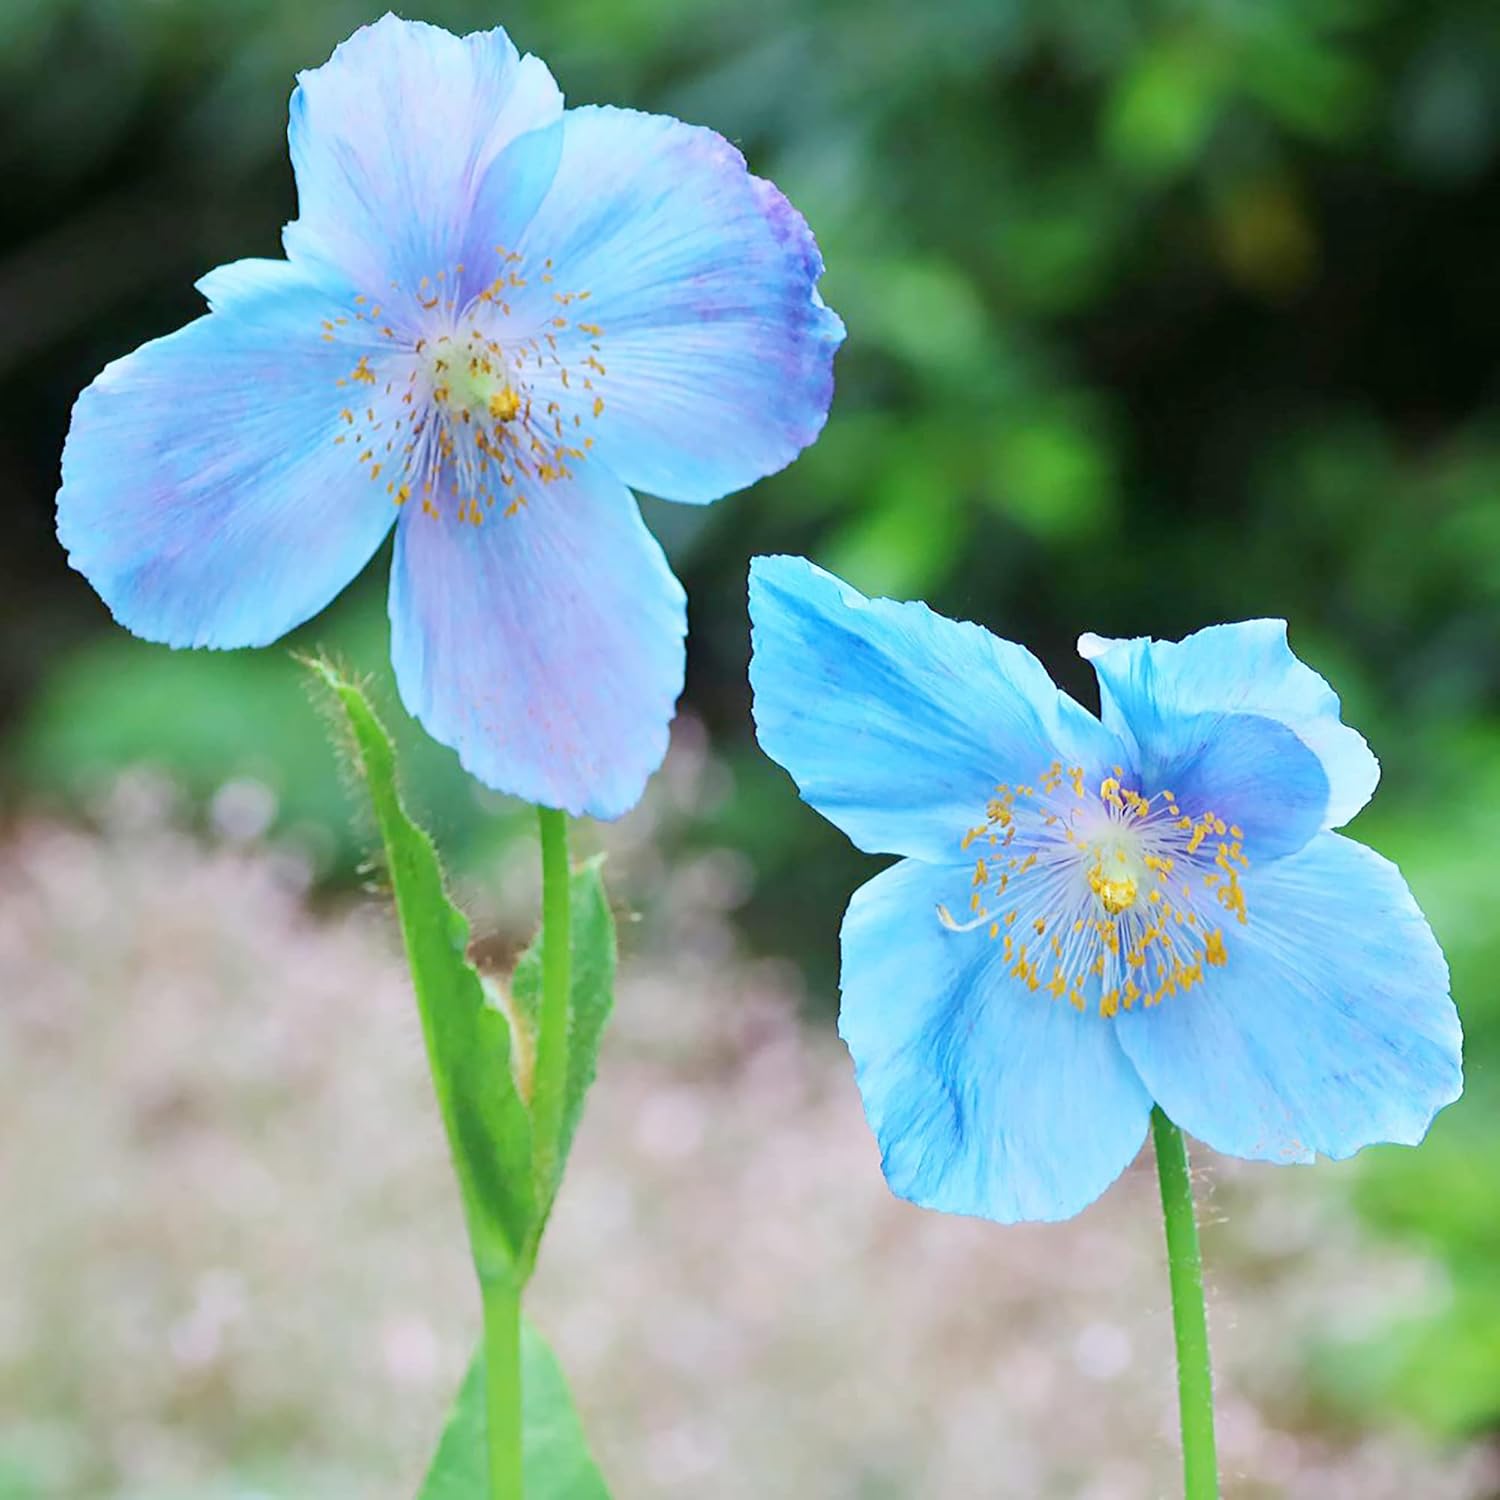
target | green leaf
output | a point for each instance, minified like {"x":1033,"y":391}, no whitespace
{"x":592,"y":993}
{"x":555,"y":1454}
{"x":1163,"y":109}
{"x":468,"y":1037}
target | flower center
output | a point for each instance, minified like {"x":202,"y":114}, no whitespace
{"x":472,"y":380}
{"x":471,"y":406}
{"x":1115,"y":895}
{"x":1105,"y":896}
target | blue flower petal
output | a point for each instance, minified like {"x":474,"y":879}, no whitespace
{"x":986,"y":1098}
{"x":545,"y":647}
{"x":203,"y":494}
{"x":251,"y":285}
{"x":1329,"y":1028}
{"x":1254,"y":773}
{"x":1246,"y":668}
{"x":716,"y":350}
{"x":896,"y":723}
{"x":417,"y":152}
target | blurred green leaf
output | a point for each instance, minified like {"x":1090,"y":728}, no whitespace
{"x":1161,"y":111}
{"x":1051,"y":470}
{"x":925,"y":312}
{"x":1310,"y":86}
{"x":1435,"y":1363}
{"x":468,"y":1038}
{"x":904,"y":541}
{"x":1058,"y":244}
{"x":554,"y":1451}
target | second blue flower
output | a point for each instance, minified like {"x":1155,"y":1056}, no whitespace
{"x":1095,"y":914}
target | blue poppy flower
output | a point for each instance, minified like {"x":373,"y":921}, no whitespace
{"x":1092,"y":915}
{"x":494,"y":316}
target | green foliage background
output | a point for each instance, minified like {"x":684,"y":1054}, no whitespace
{"x":1161,"y":313}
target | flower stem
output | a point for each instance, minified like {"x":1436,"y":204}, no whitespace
{"x":502,"y":1386}
{"x":1195,"y":1381}
{"x":551,"y":1075}
{"x":502,"y":1292}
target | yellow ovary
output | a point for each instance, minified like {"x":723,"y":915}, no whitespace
{"x":1114,"y":896}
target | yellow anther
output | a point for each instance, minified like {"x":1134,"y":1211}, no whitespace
{"x":504,"y":404}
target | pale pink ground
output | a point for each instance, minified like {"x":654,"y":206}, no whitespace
{"x":231,"y":1258}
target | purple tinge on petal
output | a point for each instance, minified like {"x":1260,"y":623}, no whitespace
{"x":698,"y":339}
{"x":204,"y":495}
{"x":787,"y":226}
{"x":546,"y":647}
{"x":417,"y":152}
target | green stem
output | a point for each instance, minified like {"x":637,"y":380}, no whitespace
{"x":502,"y":1386}
{"x":1195,"y":1380}
{"x":502,"y":1293}
{"x":551,"y":1075}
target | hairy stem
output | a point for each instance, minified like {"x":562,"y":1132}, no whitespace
{"x":1195,"y":1381}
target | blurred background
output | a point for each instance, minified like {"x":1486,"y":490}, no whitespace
{"x":1160,"y":314}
